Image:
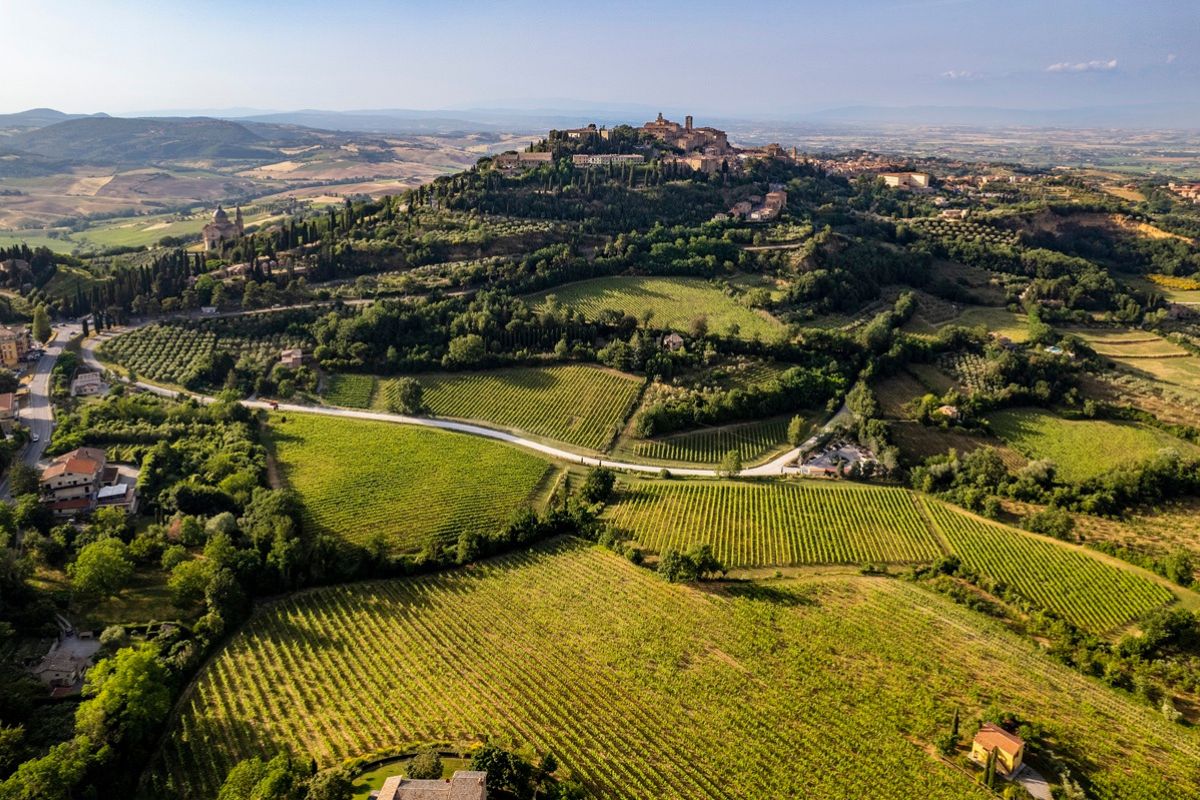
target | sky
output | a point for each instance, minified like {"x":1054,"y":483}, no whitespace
{"x":766,"y":58}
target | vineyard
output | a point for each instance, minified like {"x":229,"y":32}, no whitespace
{"x":964,"y":229}
{"x":1080,"y":588}
{"x":580,"y":405}
{"x":350,"y":391}
{"x":1127,"y":343}
{"x":672,"y":302}
{"x":360,"y":479}
{"x":752,"y":440}
{"x":176,"y":352}
{"x":752,"y":524}
{"x":1081,"y":449}
{"x":831,"y":688}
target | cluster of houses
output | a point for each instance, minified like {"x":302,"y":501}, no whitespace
{"x":463,"y":785}
{"x":1188,"y":191}
{"x":701,"y":149}
{"x":81,"y":481}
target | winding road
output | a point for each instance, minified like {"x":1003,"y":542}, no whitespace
{"x":781,"y":465}
{"x":38,"y":413}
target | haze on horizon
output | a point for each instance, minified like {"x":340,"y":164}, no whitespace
{"x":770,"y":59}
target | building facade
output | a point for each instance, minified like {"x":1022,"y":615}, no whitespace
{"x":221,"y":229}
{"x":71,"y":484}
{"x":14,"y":344}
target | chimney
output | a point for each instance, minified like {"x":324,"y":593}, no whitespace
{"x":687,"y":122}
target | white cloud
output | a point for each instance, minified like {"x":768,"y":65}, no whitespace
{"x":1083,"y":66}
{"x":1170,"y":58}
{"x":960,"y":74}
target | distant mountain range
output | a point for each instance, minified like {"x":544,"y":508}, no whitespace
{"x":39,"y":118}
{"x":44,"y":140}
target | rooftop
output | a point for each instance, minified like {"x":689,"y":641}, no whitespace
{"x":994,"y":737}
{"x":465,"y":785}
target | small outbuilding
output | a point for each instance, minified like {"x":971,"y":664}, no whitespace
{"x":293,"y":358}
{"x":672,"y":342}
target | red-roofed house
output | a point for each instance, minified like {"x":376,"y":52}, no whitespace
{"x":72,"y":481}
{"x":1010,"y":748}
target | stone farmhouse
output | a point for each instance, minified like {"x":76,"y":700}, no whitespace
{"x":463,"y":786}
{"x":221,"y":229}
{"x":86,"y":384}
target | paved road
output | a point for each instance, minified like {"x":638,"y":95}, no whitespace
{"x":777,"y":466}
{"x":38,"y":414}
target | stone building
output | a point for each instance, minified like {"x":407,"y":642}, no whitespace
{"x":687,"y":137}
{"x":221,"y":229}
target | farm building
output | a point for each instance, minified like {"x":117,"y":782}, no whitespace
{"x":672,"y":342}
{"x":293,"y":358}
{"x":86,"y":383}
{"x":948,"y":411}
{"x":62,"y":667}
{"x":463,"y":786}
{"x":1010,"y":748}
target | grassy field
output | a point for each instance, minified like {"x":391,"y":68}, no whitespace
{"x":372,"y":780}
{"x":1081,"y":449}
{"x":1127,"y":343}
{"x":773,"y":524}
{"x":1081,"y":588}
{"x":918,"y":442}
{"x":580,"y":405}
{"x":827,"y":688}
{"x":360,"y":479}
{"x":752,"y":440}
{"x":674,"y":302}
{"x":69,"y":281}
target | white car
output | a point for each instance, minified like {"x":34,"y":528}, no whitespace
{"x":35,"y":437}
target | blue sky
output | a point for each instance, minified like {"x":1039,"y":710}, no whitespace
{"x":762,"y":58}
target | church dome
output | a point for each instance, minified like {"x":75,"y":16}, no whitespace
{"x":220,"y":215}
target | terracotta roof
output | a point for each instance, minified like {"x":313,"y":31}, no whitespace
{"x":72,"y":466}
{"x":81,"y":461}
{"x":994,"y":737}
{"x":69,"y":505}
{"x":8,"y":401}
